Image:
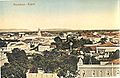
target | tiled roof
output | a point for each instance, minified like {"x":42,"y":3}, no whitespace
{"x":107,"y":44}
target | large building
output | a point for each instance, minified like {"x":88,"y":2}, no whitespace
{"x":86,"y":71}
{"x":111,"y":69}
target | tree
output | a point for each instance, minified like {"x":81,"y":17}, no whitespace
{"x":56,"y":61}
{"x":9,"y":71}
{"x":38,"y":61}
{"x":74,"y":39}
{"x":58,"y":42}
{"x":90,"y":60}
{"x":18,"y":64}
{"x":87,"y":58}
{"x":2,"y":43}
{"x":69,"y":64}
{"x":18,"y":56}
{"x":49,"y":62}
{"x":103,"y":40}
{"x":115,"y":55}
{"x":85,"y":41}
{"x":85,"y":49}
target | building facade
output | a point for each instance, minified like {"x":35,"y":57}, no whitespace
{"x":85,"y":71}
{"x":41,"y":75}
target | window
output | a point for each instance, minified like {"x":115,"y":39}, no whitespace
{"x":101,"y":51}
{"x":101,"y":73}
{"x":118,"y":72}
{"x":93,"y":73}
{"x":83,"y":74}
{"x":108,"y":73}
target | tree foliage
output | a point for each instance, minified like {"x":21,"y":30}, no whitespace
{"x":2,"y":43}
{"x":71,"y":38}
{"x":18,"y":65}
{"x":103,"y":40}
{"x":56,"y":61}
{"x":115,"y":55}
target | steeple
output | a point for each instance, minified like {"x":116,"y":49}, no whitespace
{"x":39,"y":32}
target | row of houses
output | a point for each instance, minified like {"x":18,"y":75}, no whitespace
{"x":43,"y":43}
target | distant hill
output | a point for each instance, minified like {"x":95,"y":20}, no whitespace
{"x":50,"y":30}
{"x":13,"y":30}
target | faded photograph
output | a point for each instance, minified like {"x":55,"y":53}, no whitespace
{"x":59,"y":38}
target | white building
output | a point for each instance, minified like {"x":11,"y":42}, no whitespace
{"x":106,"y":49}
{"x":3,"y":58}
{"x":20,"y":45}
{"x":42,"y":48}
{"x":41,"y":74}
{"x":86,"y":71}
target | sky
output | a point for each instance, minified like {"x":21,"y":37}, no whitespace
{"x":55,"y":14}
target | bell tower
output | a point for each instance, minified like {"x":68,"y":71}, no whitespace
{"x":39,"y":32}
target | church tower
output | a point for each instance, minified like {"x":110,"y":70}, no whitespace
{"x":39,"y":32}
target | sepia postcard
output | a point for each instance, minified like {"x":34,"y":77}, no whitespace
{"x":59,"y":38}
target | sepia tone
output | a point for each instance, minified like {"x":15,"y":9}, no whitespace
{"x":60,"y":39}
